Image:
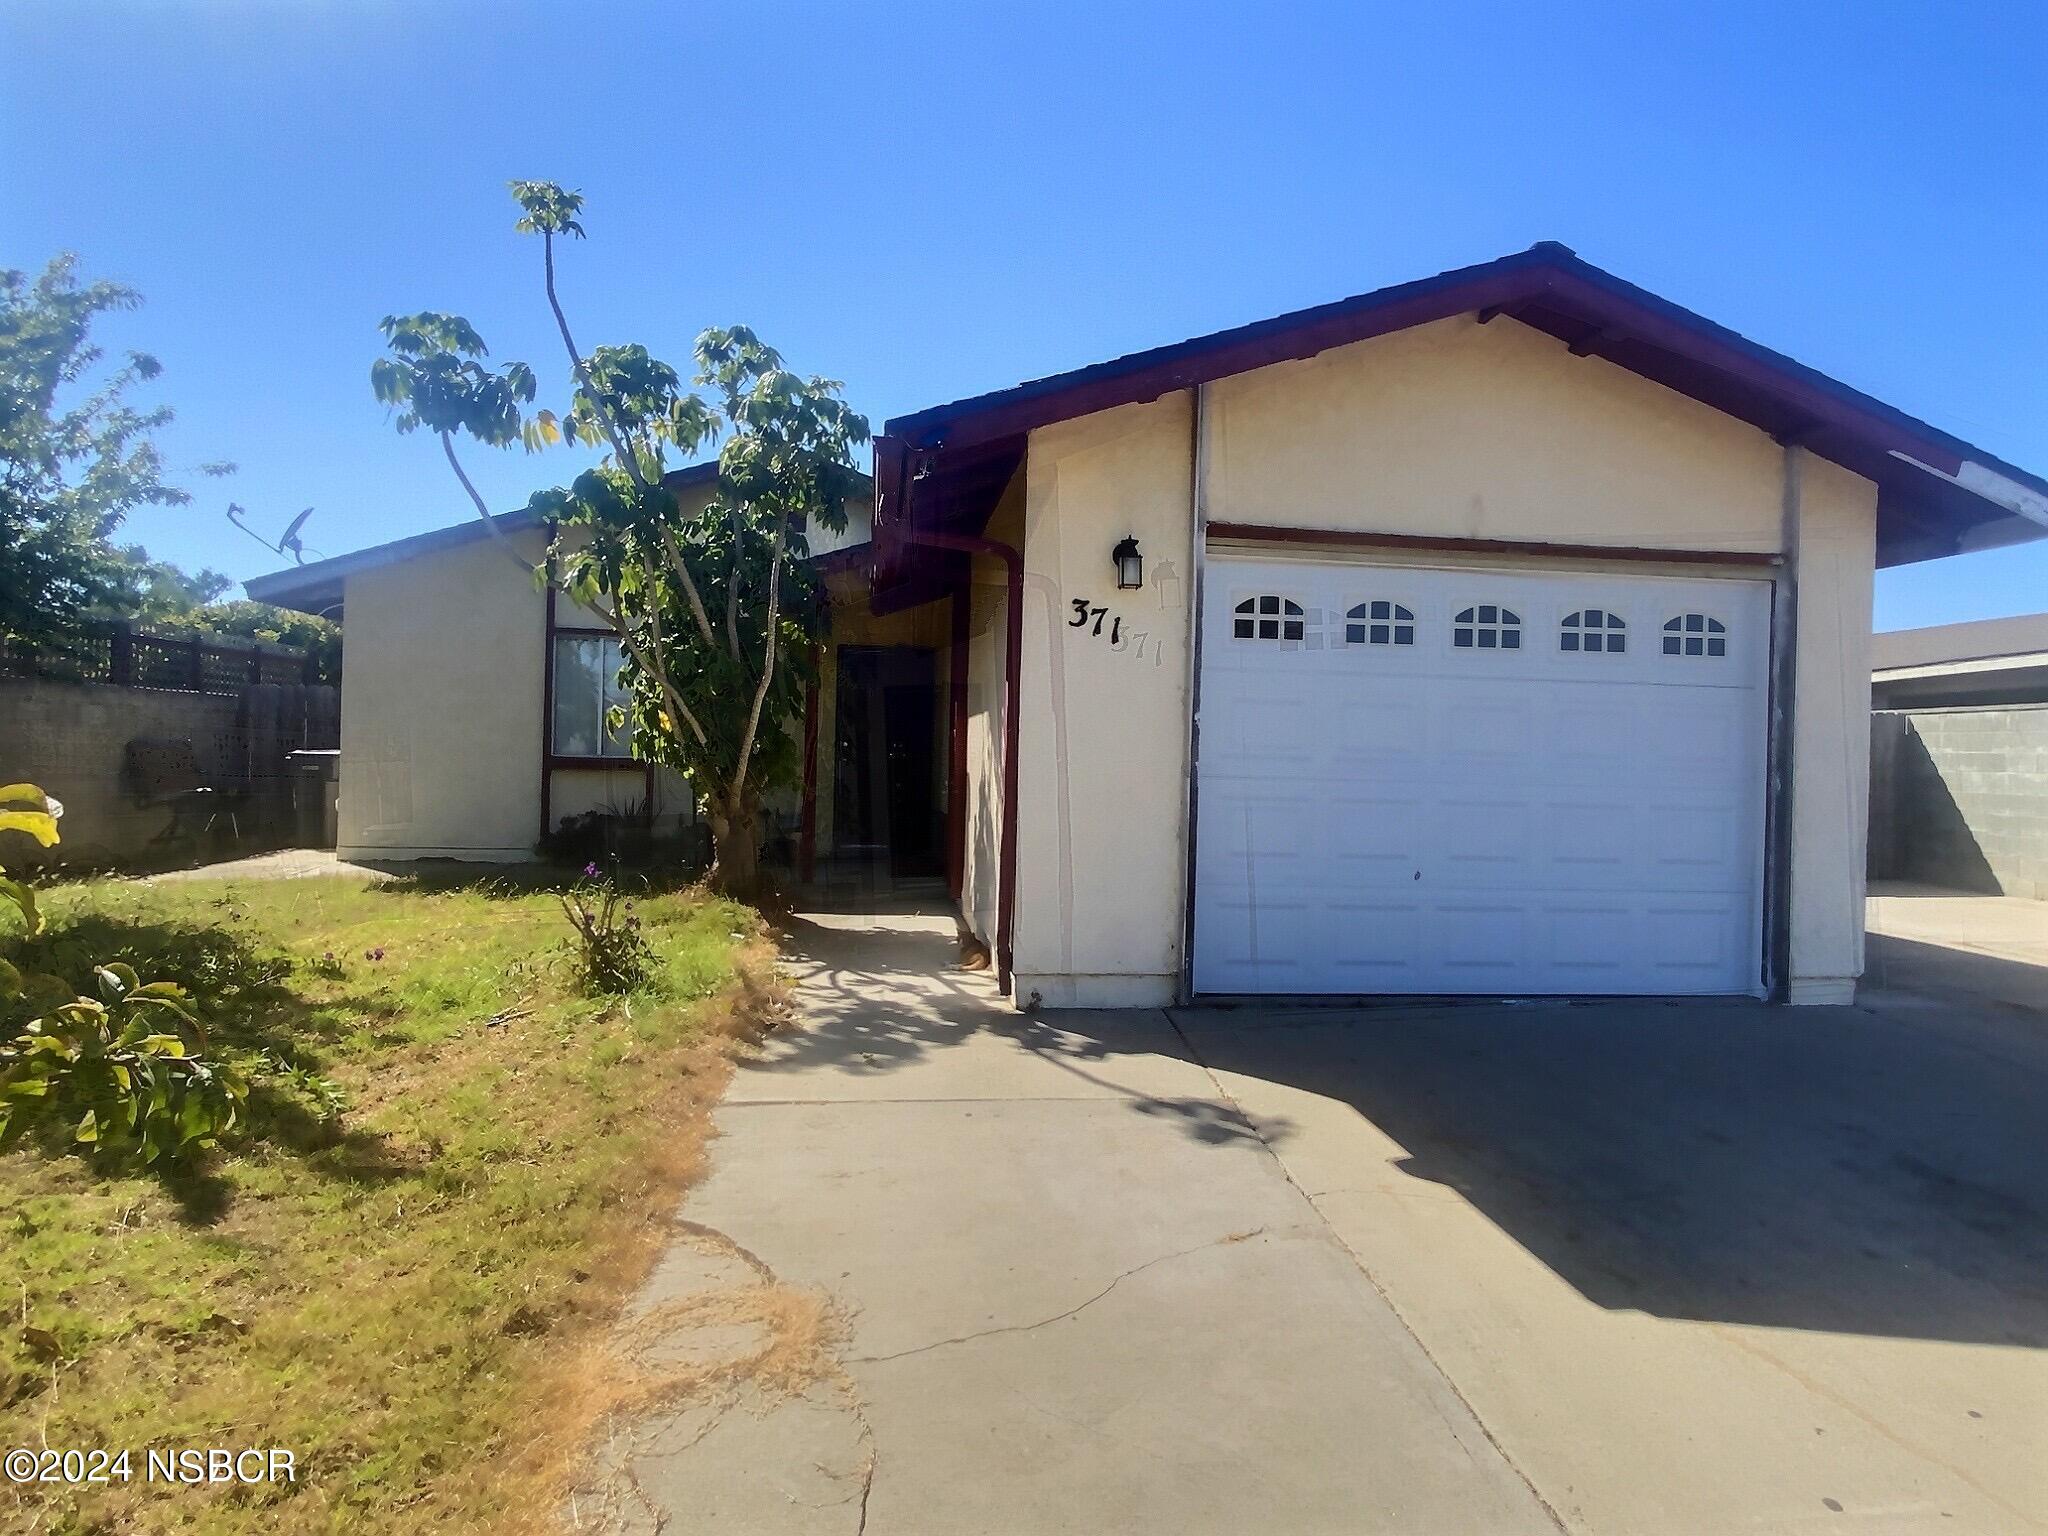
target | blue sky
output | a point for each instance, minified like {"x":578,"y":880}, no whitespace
{"x":930,"y":201}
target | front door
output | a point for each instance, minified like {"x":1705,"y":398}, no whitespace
{"x":884,"y":797}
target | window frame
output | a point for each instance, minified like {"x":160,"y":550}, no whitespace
{"x":1285,"y":614}
{"x":1502,"y":632}
{"x":1592,"y":639}
{"x":607,"y":697}
{"x":1711,"y":631}
{"x":1362,"y":620}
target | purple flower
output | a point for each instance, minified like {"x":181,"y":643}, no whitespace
{"x":590,"y":871}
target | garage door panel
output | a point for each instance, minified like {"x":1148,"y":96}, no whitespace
{"x":1428,"y":818}
{"x":1484,"y":942}
{"x":1373,"y":840}
{"x":1372,"y":943}
{"x":1482,"y":840}
{"x":1263,"y":842}
{"x":1592,"y":940}
{"x":1690,"y":939}
{"x":1588,"y":843}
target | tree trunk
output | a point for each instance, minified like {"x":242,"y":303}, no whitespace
{"x":736,"y":852}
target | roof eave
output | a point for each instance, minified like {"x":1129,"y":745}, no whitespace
{"x":1939,"y":495}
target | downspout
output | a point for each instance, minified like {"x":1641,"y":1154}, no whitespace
{"x":1013,"y":666}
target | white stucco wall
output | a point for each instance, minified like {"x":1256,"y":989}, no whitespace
{"x":1831,"y":730}
{"x":1454,"y":430}
{"x":986,"y":648}
{"x":441,"y":706}
{"x":1104,"y":712}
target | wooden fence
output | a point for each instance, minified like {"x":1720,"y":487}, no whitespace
{"x":120,"y":655}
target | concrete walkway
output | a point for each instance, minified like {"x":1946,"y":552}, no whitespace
{"x":1080,"y":1293}
{"x":1641,"y":1269}
{"x":282,"y":864}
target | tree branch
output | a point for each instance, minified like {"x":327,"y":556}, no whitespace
{"x":768,"y":657}
{"x":675,"y":559}
{"x":482,"y":511}
{"x":630,"y":462}
{"x":650,"y":660}
{"x":732,"y":591}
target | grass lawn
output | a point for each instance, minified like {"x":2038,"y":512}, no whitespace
{"x":401,"y":1285}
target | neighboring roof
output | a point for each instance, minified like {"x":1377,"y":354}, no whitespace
{"x":2025,"y":635}
{"x":316,"y":588}
{"x":944,"y":467}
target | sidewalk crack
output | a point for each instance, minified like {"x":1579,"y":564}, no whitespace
{"x":1057,"y":1317}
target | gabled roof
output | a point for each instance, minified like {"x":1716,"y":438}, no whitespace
{"x":943,"y":467}
{"x":316,"y":588}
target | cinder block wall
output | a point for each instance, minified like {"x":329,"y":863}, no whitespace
{"x":1959,"y":797}
{"x":71,"y":740}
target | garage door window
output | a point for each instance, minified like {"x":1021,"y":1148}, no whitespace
{"x":1487,"y":627}
{"x":1694,"y":634}
{"x":1267,"y":617}
{"x":1593,"y":629}
{"x":1379,"y":623}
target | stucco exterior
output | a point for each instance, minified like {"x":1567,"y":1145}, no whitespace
{"x":1452,"y":429}
{"x":442,"y":732}
{"x":988,"y":599}
{"x":1836,"y":560}
{"x":441,"y":706}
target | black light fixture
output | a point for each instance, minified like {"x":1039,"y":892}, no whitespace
{"x":1130,"y":565}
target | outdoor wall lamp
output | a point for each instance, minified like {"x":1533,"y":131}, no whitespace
{"x":1130,"y":565}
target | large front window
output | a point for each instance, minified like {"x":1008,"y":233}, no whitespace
{"x":586,"y":688}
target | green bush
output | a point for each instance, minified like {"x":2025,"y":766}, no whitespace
{"x":124,"y":1072}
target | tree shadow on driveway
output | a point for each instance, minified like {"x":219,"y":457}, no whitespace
{"x":891,"y":995}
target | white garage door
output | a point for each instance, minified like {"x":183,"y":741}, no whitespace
{"x":1421,"y":780}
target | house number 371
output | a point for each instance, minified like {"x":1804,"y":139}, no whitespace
{"x":1083,"y":613}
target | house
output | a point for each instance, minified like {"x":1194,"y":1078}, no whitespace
{"x":473,"y":700}
{"x":1499,"y":633}
{"x":1959,"y":756}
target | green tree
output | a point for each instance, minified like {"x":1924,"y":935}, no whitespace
{"x":165,"y":598}
{"x":161,"y":589}
{"x":716,"y":611}
{"x":75,"y":456}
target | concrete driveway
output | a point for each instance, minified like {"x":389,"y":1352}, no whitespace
{"x":1629,"y":1268}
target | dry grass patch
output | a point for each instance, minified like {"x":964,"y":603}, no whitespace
{"x":402,"y":1293}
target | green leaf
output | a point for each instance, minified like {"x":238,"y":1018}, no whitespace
{"x":40,"y":825}
{"x":116,"y":980}
{"x":88,"y":1128}
{"x":23,"y":895}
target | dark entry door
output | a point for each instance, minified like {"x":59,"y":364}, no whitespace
{"x":884,"y":791}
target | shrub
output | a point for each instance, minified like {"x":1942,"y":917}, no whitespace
{"x":125,"y":1071}
{"x":611,"y":953}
